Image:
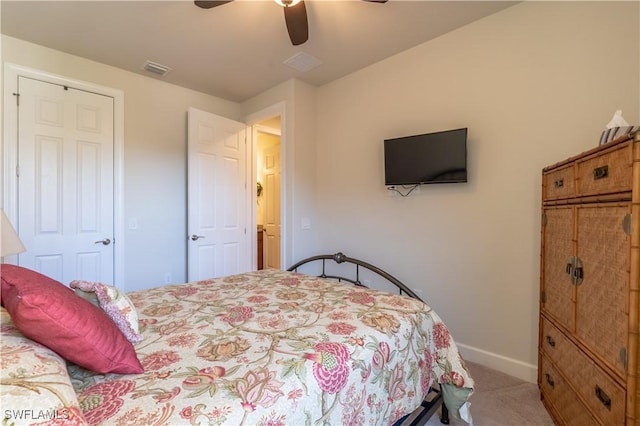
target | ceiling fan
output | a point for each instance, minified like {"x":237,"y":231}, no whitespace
{"x":295,"y":16}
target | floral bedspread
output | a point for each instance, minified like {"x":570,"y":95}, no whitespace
{"x":274,"y":348}
{"x":34,"y":385}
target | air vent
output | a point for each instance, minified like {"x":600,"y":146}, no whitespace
{"x":302,"y":62}
{"x":155,"y":68}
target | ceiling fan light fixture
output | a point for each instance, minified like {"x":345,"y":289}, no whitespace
{"x":287,"y":3}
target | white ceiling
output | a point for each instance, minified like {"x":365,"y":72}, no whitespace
{"x":235,"y":51}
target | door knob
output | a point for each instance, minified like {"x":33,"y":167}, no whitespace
{"x":194,"y":237}
{"x":105,"y":242}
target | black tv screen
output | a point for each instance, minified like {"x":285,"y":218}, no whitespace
{"x":439,"y":157}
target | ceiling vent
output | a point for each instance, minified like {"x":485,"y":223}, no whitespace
{"x":155,"y":68}
{"x":302,"y":62}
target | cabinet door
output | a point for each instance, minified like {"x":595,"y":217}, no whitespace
{"x":602,"y":307}
{"x":557,"y":249}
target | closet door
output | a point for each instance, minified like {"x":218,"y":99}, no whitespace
{"x":66,"y":181}
{"x":558,"y":248}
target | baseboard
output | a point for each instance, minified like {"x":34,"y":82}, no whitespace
{"x":510,"y":366}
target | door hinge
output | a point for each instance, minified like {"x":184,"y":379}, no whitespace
{"x":543,"y":297}
{"x":543,"y":220}
{"x":626,"y":224}
{"x":17,"y":95}
{"x":17,"y":171}
{"x":623,"y":357}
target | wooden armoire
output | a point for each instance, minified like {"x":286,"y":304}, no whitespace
{"x":589,"y":286}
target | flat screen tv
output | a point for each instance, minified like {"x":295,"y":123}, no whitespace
{"x":439,"y":157}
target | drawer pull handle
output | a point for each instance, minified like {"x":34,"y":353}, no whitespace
{"x":600,"y":172}
{"x":577,"y":270}
{"x":578,"y":274}
{"x":569,"y":268}
{"x":550,"y":380}
{"x":603,"y":397}
{"x":551,"y":342}
{"x":559,"y":183}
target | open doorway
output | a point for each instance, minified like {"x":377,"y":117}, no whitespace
{"x":268,"y":200}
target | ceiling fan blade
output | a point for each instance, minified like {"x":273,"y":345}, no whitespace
{"x":297,"y":24}
{"x":209,"y":4}
{"x":376,"y":1}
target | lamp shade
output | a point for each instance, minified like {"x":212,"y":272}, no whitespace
{"x":10,"y":243}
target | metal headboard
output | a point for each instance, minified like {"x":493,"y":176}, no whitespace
{"x":342,"y":258}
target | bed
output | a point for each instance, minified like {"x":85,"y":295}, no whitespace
{"x":268,"y":347}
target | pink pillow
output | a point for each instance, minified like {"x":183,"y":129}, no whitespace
{"x":53,"y":315}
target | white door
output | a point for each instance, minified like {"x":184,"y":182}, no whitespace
{"x":219,"y":213}
{"x":272,"y":206}
{"x":65,"y":181}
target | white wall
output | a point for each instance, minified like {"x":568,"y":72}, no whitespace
{"x":534,"y":84}
{"x":154,"y":156}
{"x":1,"y":104}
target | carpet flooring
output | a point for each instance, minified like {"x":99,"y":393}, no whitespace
{"x":501,"y":400}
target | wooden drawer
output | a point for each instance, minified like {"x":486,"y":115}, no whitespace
{"x":605,"y":174}
{"x":559,"y":183}
{"x":600,"y":393}
{"x":564,"y":401}
{"x":552,"y":339}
